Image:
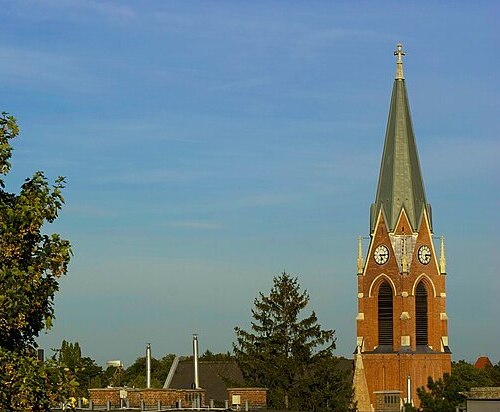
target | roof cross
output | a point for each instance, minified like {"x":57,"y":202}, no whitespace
{"x":399,"y":52}
{"x":399,"y":62}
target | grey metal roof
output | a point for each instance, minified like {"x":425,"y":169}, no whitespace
{"x":400,"y":183}
{"x":215,"y":377}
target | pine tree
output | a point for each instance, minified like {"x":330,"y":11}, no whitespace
{"x":290,"y":354}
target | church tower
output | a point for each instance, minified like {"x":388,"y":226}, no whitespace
{"x":402,"y":336}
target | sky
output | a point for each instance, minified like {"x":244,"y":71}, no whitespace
{"x":209,"y":146}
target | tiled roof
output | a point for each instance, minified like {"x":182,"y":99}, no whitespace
{"x":482,"y":362}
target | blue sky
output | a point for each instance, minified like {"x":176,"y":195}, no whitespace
{"x":208,"y":146}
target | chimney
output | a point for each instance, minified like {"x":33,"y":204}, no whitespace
{"x":148,"y":365}
{"x":195,"y":361}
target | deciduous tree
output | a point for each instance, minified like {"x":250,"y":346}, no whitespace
{"x":135,"y":374}
{"x":443,"y":395}
{"x":31,"y":263}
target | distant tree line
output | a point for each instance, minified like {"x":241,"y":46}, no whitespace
{"x":88,"y":374}
{"x":442,"y":395}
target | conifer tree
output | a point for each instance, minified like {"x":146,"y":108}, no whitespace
{"x":290,"y":354}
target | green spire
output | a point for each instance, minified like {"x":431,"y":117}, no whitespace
{"x":400,"y":183}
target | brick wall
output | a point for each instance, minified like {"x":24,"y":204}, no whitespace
{"x":404,"y":297}
{"x":167,"y":397}
{"x":256,"y":397}
{"x":101,"y":396}
{"x":389,"y":371}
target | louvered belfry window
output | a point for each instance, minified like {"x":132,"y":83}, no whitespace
{"x":385,"y":315}
{"x":421,"y":314}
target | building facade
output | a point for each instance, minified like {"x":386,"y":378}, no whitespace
{"x":402,"y":335}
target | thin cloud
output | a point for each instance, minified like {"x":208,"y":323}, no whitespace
{"x":195,"y":224}
{"x":326,"y":37}
{"x":153,"y":176}
{"x":108,"y":9}
{"x":266,"y":199}
{"x":74,"y":9}
{"x":89,"y":211}
{"x":39,"y":69}
{"x":240,"y":84}
{"x":298,"y":38}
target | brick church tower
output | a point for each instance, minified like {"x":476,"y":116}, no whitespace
{"x":402,"y":336}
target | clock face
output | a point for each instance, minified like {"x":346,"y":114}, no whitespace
{"x":424,"y":254}
{"x":381,"y":254}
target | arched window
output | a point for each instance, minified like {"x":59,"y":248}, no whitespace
{"x":421,"y":314}
{"x":385,"y":315}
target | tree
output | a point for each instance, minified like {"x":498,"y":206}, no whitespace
{"x":70,"y":354}
{"x":494,"y":374}
{"x":289,"y":354}
{"x":438,"y":398}
{"x":443,"y":395}
{"x":30,"y":265}
{"x":85,"y":370}
{"x":135,"y":374}
{"x":329,"y":387}
{"x":209,"y":356}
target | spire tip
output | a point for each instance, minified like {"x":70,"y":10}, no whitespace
{"x":399,"y":52}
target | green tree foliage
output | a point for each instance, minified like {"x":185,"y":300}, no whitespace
{"x":443,"y":395}
{"x":85,"y":370}
{"x":494,"y":373}
{"x":70,"y":354}
{"x":29,"y":385}
{"x":290,"y":354}
{"x":439,"y":397}
{"x":30,"y":265}
{"x":113,"y":376}
{"x":211,"y":357}
{"x":135,"y":374}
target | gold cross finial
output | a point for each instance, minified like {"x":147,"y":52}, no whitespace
{"x":399,"y":52}
{"x":399,"y":62}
